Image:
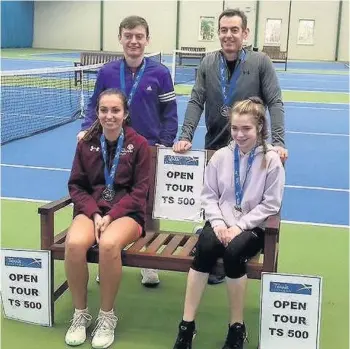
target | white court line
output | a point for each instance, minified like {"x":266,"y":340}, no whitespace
{"x":283,"y":221}
{"x":317,"y":188}
{"x":318,"y":108}
{"x":309,"y":91}
{"x":311,"y":79}
{"x":185,"y":99}
{"x":37,"y":167}
{"x":319,"y":134}
{"x":68,"y":170}
{"x":318,"y":89}
{"x":305,"y":133}
{"x":317,"y":224}
{"x":23,"y":199}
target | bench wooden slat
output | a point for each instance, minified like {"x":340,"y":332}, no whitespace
{"x":188,"y":247}
{"x":159,"y":241}
{"x":173,"y":244}
{"x":139,"y":244}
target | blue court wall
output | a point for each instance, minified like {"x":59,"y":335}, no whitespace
{"x":17,"y":21}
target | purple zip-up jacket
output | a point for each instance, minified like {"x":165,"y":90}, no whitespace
{"x":153,"y":109}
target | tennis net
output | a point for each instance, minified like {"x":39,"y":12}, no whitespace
{"x":38,"y":100}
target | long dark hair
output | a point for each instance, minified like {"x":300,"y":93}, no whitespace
{"x":96,"y":128}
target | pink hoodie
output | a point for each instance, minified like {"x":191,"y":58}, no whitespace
{"x":262,"y":193}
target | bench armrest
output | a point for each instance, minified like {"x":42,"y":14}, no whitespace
{"x":47,"y":224}
{"x":272,"y":224}
{"x":271,"y":240}
{"x":54,"y":206}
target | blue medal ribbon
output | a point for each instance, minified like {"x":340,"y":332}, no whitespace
{"x":228,"y":87}
{"x":109,"y":175}
{"x":137,"y":79}
{"x":238,"y":187}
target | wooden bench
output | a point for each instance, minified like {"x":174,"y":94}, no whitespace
{"x":158,"y":249}
{"x":276,"y":55}
{"x":195,"y":53}
{"x":91,"y":58}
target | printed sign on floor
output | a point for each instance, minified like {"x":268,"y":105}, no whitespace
{"x":179,"y":182}
{"x":25,"y":285}
{"x":290,"y":311}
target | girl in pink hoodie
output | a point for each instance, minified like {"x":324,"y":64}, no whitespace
{"x":243,"y":186}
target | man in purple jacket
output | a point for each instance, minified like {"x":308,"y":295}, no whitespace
{"x":150,"y":91}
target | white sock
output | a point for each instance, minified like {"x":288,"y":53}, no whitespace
{"x":111,"y":312}
{"x":79,"y":311}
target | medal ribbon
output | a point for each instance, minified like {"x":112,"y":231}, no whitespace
{"x":109,"y":176}
{"x":228,"y":87}
{"x":238,"y":187}
{"x":137,"y":79}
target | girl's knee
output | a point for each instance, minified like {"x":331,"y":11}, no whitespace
{"x":75,"y":247}
{"x":109,"y":247}
{"x":208,"y":250}
{"x":234,"y":264}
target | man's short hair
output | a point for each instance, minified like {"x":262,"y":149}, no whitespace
{"x":232,"y":13}
{"x":132,"y":22}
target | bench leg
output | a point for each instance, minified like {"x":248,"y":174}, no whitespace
{"x":61,"y":289}
{"x":55,"y":294}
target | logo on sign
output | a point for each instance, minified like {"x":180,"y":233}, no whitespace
{"x":23,"y":262}
{"x":286,"y":287}
{"x":181,"y":160}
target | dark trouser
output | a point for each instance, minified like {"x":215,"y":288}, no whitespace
{"x":235,"y":256}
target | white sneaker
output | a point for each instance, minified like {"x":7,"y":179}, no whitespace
{"x":76,"y":333}
{"x":149,"y":277}
{"x":98,"y":278}
{"x":103,"y":334}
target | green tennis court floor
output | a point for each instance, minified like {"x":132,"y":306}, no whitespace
{"x":149,"y":317}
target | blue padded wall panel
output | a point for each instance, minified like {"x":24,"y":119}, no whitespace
{"x":17,"y":24}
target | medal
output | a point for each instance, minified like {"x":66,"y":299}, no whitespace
{"x":237,"y":212}
{"x":225,"y":111}
{"x":108,"y":194}
{"x":238,"y":208}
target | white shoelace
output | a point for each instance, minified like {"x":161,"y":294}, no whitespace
{"x":105,"y":322}
{"x":79,"y":319}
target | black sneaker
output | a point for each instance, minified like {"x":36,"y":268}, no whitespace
{"x":185,"y":336}
{"x":235,"y":337}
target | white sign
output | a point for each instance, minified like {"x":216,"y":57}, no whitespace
{"x":25,"y":285}
{"x":179,"y":182}
{"x":290,"y":309}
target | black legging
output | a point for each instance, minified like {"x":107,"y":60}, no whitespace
{"x":243,"y":247}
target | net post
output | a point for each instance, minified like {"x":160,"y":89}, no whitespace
{"x":82,"y":114}
{"x":173,"y":66}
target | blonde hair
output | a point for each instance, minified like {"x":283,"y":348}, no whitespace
{"x":254,"y":106}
